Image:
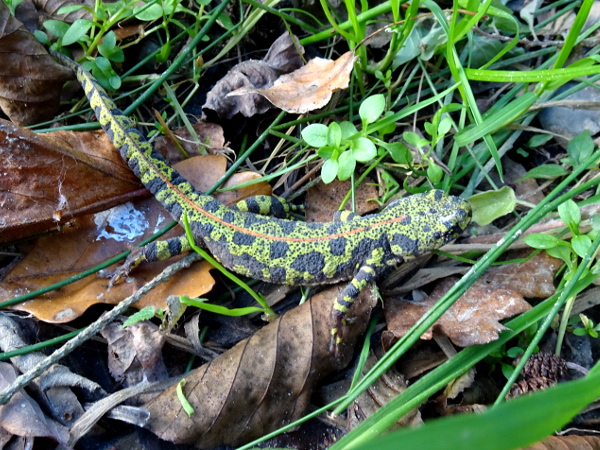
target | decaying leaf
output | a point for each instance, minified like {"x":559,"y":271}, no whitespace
{"x":281,"y":58}
{"x":22,"y":416}
{"x":47,"y":180}
{"x":91,"y":240}
{"x":382,"y":391}
{"x":59,"y":390}
{"x":323,"y":199}
{"x":309,"y":87}
{"x":30,"y":80}
{"x":51,"y":8}
{"x":473,"y":319}
{"x":532,"y":279}
{"x":134,"y":352}
{"x":263,"y":382}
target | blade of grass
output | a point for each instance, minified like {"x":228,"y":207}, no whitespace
{"x":532,"y":76}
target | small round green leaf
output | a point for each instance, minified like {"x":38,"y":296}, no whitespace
{"x":542,"y":241}
{"x":546,"y":172}
{"x":348,"y":129}
{"x":490,"y":205}
{"x":148,"y":13}
{"x":444,"y":126}
{"x":371,"y":108}
{"x":569,"y":213}
{"x":329,"y":171}
{"x":56,"y":27}
{"x":399,"y":152}
{"x":581,"y":245}
{"x":334,"y":135}
{"x":326,"y":152}
{"x":363,"y":149}
{"x":346,"y":165}
{"x":315,"y":135}
{"x":580,"y":147}
{"x":434,"y":173}
{"x":77,"y":32}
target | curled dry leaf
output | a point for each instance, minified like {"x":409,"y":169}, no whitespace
{"x":30,"y":80}
{"x":22,"y":416}
{"x":262,"y":383}
{"x":309,"y":87}
{"x":47,"y":180}
{"x":134,"y":352}
{"x":90,"y":240}
{"x":473,"y":319}
{"x":281,"y":58}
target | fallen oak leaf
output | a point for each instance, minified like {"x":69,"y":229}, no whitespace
{"x":473,"y":318}
{"x":262,"y":383}
{"x":309,"y":87}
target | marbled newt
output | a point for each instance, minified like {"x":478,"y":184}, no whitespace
{"x":246,"y":240}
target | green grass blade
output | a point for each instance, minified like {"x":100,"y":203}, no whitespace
{"x":533,"y":76}
{"x":497,"y":120}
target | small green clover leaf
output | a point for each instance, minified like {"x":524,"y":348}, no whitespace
{"x":371,"y":109}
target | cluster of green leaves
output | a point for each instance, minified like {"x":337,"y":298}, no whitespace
{"x":96,"y":34}
{"x":588,"y":327}
{"x":342,"y":145}
{"x":569,"y":251}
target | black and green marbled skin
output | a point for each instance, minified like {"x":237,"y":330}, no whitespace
{"x":274,"y":249}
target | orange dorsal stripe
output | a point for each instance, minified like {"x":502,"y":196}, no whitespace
{"x":232,"y":226}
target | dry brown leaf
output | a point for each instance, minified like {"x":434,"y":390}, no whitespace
{"x":323,"y":200}
{"x":22,"y":416}
{"x":263,"y":382}
{"x":281,"y":58}
{"x":309,"y":87}
{"x":93,"y":239}
{"x":381,"y":392}
{"x":134,"y":352}
{"x":51,"y":7}
{"x":30,"y":80}
{"x":473,"y":319}
{"x":49,"y":179}
{"x":532,"y":279}
{"x":566,"y":443}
